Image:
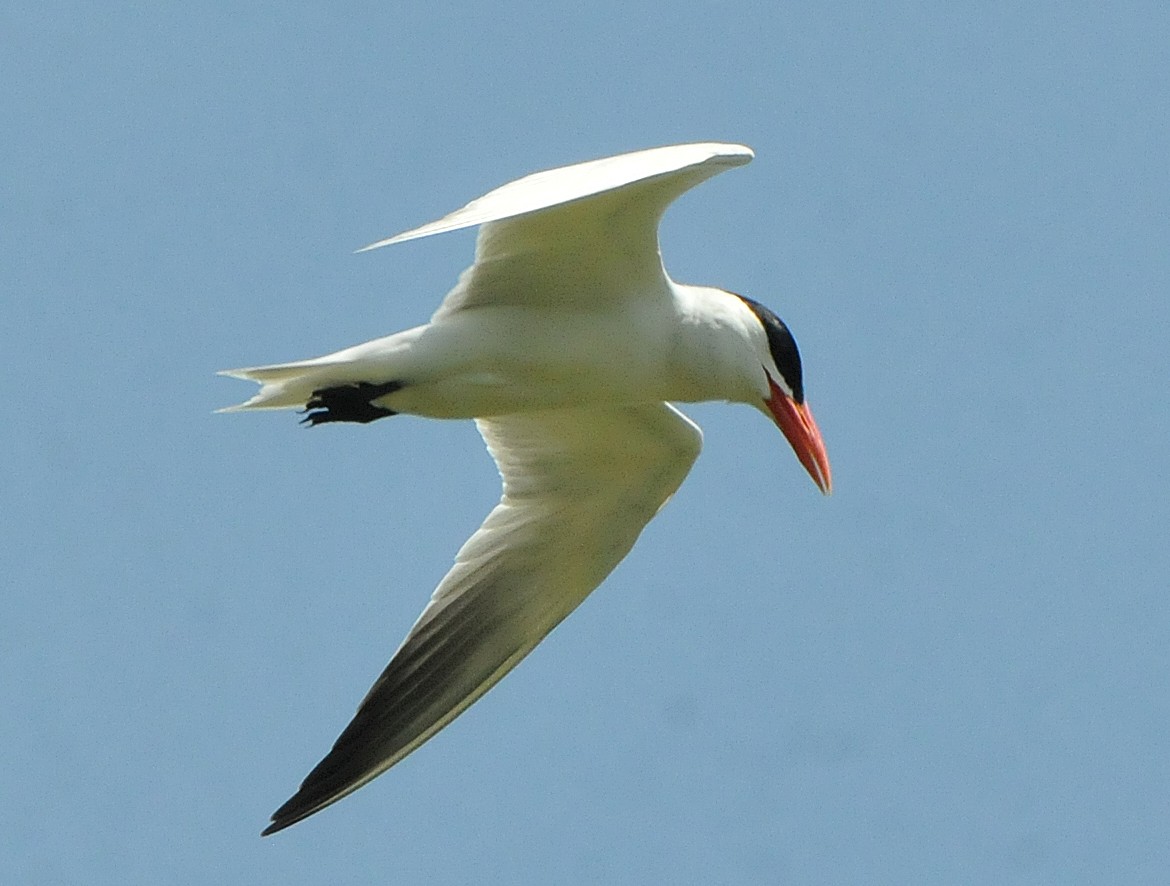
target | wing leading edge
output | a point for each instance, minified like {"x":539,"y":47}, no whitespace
{"x":690,"y":163}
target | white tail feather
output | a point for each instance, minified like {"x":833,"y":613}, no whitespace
{"x":286,"y":385}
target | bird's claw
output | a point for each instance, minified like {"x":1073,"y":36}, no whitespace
{"x":349,"y":402}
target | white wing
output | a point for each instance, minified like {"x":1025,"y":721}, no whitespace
{"x":554,"y":187}
{"x":580,"y":233}
{"x":579,"y":486}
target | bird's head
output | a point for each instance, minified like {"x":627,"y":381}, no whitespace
{"x":783,"y":398}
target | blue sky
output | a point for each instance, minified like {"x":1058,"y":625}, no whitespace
{"x":952,"y":670}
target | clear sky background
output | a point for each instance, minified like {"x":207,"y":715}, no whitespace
{"x":954,"y":670}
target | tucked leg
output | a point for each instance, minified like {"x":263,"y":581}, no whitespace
{"x":348,"y":403}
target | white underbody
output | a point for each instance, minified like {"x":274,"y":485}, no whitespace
{"x":490,"y":361}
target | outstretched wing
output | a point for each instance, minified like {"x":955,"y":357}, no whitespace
{"x":579,"y":233}
{"x":685,"y":164}
{"x":579,"y":486}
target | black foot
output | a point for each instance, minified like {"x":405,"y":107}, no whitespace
{"x":348,"y":403}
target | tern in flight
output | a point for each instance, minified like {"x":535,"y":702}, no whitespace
{"x":566,"y":342}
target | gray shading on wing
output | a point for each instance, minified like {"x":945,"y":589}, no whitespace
{"x":578,"y":487}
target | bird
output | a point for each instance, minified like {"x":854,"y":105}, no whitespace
{"x":567,"y":343}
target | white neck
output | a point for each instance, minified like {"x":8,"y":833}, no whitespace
{"x":718,"y":350}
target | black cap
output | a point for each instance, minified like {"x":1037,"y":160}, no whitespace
{"x":785,"y":354}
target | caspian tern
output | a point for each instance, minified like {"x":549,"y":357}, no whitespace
{"x":564,"y":340}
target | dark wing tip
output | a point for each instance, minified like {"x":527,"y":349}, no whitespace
{"x":336,"y":776}
{"x":273,"y":828}
{"x":430,"y":680}
{"x":294,"y":810}
{"x":340,"y":773}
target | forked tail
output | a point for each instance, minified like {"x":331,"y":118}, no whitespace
{"x":289,"y":385}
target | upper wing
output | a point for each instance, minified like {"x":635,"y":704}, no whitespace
{"x":579,"y":486}
{"x":541,"y":190}
{"x":577,"y":233}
